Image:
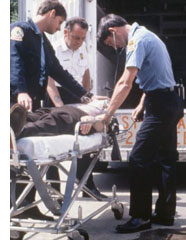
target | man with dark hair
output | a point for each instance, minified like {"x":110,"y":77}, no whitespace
{"x":72,"y":54}
{"x":48,"y":5}
{"x":33,"y":59}
{"x":107,"y":22}
{"x":76,"y":20}
{"x":147,"y":61}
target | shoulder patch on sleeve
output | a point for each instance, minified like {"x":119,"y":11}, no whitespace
{"x":131,"y":45}
{"x":17,"y":34}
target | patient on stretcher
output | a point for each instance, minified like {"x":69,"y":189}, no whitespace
{"x":57,"y":121}
{"x":54,"y":121}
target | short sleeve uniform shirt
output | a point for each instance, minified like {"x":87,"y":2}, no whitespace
{"x":75,"y":62}
{"x":149,"y":54}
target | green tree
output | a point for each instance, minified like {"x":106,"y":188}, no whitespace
{"x":13,"y":10}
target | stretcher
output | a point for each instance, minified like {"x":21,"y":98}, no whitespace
{"x":31,"y":157}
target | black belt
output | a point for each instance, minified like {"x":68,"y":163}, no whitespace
{"x":161,"y":90}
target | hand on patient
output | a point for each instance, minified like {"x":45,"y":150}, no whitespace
{"x":25,"y":100}
{"x":89,"y":122}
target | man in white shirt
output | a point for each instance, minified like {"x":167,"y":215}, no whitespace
{"x":72,"y":54}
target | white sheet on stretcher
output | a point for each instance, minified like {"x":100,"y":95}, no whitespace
{"x":43,"y":147}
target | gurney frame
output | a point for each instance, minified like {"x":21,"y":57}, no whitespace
{"x":63,"y":224}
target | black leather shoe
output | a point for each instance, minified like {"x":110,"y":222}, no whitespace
{"x":166,"y":221}
{"x":96,"y":193}
{"x":34,"y":213}
{"x":134,"y":225}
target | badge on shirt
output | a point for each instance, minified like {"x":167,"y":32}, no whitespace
{"x":81,"y":56}
{"x":131,"y":46}
{"x":17,"y":34}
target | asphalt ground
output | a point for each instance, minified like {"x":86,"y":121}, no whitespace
{"x":102,"y":227}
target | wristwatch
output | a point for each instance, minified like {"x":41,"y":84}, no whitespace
{"x":87,"y":97}
{"x":89,"y":94}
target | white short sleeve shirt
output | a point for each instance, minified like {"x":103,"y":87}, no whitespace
{"x":75,"y":62}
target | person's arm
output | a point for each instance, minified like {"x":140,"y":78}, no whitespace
{"x":18,"y":84}
{"x":121,"y":91}
{"x":86,"y":82}
{"x":138,"y":112}
{"x":97,"y":124}
{"x":64,"y":78}
{"x":54,"y":93}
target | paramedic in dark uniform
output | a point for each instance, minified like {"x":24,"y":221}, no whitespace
{"x":33,"y":59}
{"x":147,"y":61}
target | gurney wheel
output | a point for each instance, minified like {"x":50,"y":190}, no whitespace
{"x":16,"y":235}
{"x":118,"y":211}
{"x":19,"y":236}
{"x":83,"y":233}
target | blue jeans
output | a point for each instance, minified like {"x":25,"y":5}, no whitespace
{"x":154,"y":156}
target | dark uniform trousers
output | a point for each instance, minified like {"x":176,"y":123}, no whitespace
{"x":51,"y":122}
{"x":154,"y":156}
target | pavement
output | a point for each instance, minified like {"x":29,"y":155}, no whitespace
{"x":102,"y":227}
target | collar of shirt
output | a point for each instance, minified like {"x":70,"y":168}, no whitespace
{"x":132,"y":30}
{"x":64,"y":46}
{"x":34,"y":26}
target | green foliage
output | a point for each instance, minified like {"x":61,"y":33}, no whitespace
{"x":13,"y":10}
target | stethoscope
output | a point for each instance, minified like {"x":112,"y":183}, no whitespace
{"x":118,"y":54}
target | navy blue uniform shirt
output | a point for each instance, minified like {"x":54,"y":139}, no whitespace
{"x":25,"y":64}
